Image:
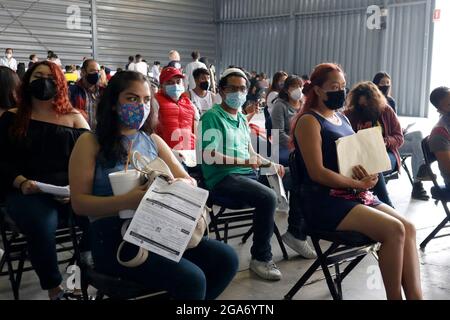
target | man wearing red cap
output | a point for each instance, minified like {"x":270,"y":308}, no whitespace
{"x":176,"y":113}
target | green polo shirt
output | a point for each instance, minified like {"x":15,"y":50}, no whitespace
{"x":221,"y":132}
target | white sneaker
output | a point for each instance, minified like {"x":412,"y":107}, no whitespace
{"x":299,"y":246}
{"x":266,"y":270}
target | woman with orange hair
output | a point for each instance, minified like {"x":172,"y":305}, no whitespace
{"x":333,"y":202}
{"x":36,"y":140}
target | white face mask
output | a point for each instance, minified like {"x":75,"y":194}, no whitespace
{"x":8,"y":55}
{"x":296,"y":94}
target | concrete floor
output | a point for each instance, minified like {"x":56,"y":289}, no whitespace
{"x":363,"y":283}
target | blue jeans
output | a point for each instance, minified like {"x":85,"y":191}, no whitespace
{"x":202,"y":273}
{"x":37,"y":218}
{"x":413,"y":146}
{"x":247,"y":189}
{"x":380,"y":188}
{"x":284,"y":156}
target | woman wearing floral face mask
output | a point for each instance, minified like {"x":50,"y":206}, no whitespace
{"x":176,"y":113}
{"x":123,"y":116}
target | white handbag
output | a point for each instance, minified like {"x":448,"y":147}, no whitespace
{"x":152,"y":170}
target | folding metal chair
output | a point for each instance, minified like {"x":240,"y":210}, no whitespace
{"x":438,"y":193}
{"x":114,"y":288}
{"x":15,"y":247}
{"x":235,"y":215}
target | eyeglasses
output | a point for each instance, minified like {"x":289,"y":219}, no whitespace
{"x":236,"y":88}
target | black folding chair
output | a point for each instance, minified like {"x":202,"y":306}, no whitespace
{"x":438,"y":193}
{"x":231,"y":214}
{"x":113,"y":288}
{"x":403,"y":159}
{"x":235,"y":215}
{"x":15,"y":247}
{"x":345,"y":246}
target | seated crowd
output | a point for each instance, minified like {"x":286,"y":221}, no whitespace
{"x":75,"y":128}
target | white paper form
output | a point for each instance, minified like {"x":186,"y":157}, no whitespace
{"x":276,"y":183}
{"x":365,"y":148}
{"x":55,"y":190}
{"x":166,"y":218}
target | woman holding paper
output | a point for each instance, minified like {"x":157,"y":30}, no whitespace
{"x":125,"y":123}
{"x":36,"y":140}
{"x":332,"y":201}
{"x":368,"y":108}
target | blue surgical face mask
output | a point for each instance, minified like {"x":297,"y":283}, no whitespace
{"x":174,"y":91}
{"x":235,"y":100}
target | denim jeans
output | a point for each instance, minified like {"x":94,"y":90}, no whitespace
{"x":247,"y":189}
{"x":284,"y":156}
{"x":380,"y":188}
{"x":413,"y":146}
{"x":202,"y":273}
{"x":37,"y":218}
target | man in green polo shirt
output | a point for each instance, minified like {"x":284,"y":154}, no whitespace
{"x":229,"y":163}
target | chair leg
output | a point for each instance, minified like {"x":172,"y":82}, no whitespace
{"x":12,"y":278}
{"x":434,"y":233}
{"x":338,"y":281}
{"x":326,"y":272}
{"x":214,"y":223}
{"x":247,"y":235}
{"x":19,"y":272}
{"x":301,"y":282}
{"x":225,"y":232}
{"x":408,"y":173}
{"x":280,"y":242}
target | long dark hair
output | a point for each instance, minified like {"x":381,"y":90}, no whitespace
{"x":9,"y":83}
{"x":108,"y":133}
{"x":274,"y":86}
{"x":380,"y":76}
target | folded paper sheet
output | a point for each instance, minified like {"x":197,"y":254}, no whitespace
{"x":365,"y":148}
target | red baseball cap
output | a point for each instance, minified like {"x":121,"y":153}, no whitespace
{"x":169,"y":73}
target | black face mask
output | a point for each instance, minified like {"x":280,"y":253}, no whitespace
{"x":367,"y":113}
{"x":92,"y":78}
{"x":384,"y":89}
{"x":204,"y":85}
{"x":336,"y":99}
{"x":43,"y":89}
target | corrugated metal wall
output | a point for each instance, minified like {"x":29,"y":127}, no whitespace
{"x":296,"y":35}
{"x":36,"y":26}
{"x":119,"y":28}
{"x":153,"y":28}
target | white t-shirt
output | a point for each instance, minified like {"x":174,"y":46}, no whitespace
{"x":190,"y":84}
{"x":205,"y":103}
{"x":270,"y":100}
{"x":155,"y":72}
{"x":131,"y":66}
{"x":11,"y":63}
{"x":140,"y":67}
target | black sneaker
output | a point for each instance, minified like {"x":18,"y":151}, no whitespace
{"x":424,"y":174}
{"x":419,"y":193}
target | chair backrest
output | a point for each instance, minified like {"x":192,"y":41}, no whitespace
{"x":296,"y":198}
{"x":429,"y":158}
{"x":268,"y":121}
{"x":295,"y":169}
